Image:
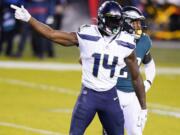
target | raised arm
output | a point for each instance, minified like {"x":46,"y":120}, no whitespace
{"x":62,"y":38}
{"x":136,"y":79}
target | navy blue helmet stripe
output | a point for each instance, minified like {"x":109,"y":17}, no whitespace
{"x":89,"y":37}
{"x":125,"y":44}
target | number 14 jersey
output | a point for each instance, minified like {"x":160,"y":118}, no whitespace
{"x":102,"y":57}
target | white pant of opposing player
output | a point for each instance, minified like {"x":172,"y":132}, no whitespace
{"x":131,"y":109}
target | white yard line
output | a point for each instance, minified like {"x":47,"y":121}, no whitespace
{"x":38,"y":86}
{"x":155,"y":108}
{"x":39,"y":65}
{"x":71,"y":67}
{"x":164,"y":110}
{"x":165,"y":113}
{"x":166,"y":70}
{"x":34,"y":130}
{"x":163,"y":107}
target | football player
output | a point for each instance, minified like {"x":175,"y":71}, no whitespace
{"x":103,"y":48}
{"x":134,"y":23}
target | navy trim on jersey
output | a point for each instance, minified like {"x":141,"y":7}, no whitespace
{"x":89,"y":37}
{"x":125,"y":44}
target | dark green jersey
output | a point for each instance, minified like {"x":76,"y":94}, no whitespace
{"x":143,"y":46}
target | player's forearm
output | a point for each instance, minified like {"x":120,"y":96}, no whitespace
{"x":136,"y":79}
{"x":62,"y":38}
{"x":139,"y":90}
{"x":138,"y":84}
{"x":41,"y":28}
{"x":150,"y":71}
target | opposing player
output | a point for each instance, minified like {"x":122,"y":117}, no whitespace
{"x":103,"y":49}
{"x":133,"y":24}
{"x":128,"y":100}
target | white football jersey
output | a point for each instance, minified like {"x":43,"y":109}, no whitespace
{"x":102,"y":57}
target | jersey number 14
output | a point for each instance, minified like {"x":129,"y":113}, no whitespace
{"x":111,"y":67}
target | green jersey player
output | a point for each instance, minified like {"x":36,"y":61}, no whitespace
{"x":134,"y":125}
{"x":128,"y":100}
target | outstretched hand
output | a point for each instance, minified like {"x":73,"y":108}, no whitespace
{"x":21,"y":13}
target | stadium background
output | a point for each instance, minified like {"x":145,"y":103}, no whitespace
{"x":37,"y":95}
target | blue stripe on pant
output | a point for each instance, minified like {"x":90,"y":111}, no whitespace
{"x":106,"y":104}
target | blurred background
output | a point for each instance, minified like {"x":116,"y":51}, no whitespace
{"x":40,"y":81}
{"x":162,"y":18}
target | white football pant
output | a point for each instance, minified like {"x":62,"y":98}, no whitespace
{"x":131,"y":108}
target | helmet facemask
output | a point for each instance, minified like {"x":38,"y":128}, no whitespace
{"x":112,"y":24}
{"x":110,"y":18}
{"x":133,"y":21}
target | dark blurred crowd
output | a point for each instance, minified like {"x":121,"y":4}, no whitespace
{"x":162,"y":17}
{"x":46,"y":11}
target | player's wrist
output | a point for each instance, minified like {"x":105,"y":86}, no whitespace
{"x":143,"y":106}
{"x":147,"y":85}
{"x":28,"y":18}
{"x":144,"y":110}
{"x":149,"y":82}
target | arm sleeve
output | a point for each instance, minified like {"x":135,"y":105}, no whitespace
{"x":150,"y":70}
{"x":148,"y":44}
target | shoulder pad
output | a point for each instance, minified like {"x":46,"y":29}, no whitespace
{"x":147,"y":40}
{"x":84,"y":26}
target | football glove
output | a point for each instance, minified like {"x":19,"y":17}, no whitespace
{"x":142,"y":118}
{"x":21,"y":13}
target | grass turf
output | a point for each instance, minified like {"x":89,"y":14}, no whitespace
{"x":35,"y":98}
{"x":37,"y":107}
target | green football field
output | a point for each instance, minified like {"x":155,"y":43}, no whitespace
{"x":40,"y":102}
